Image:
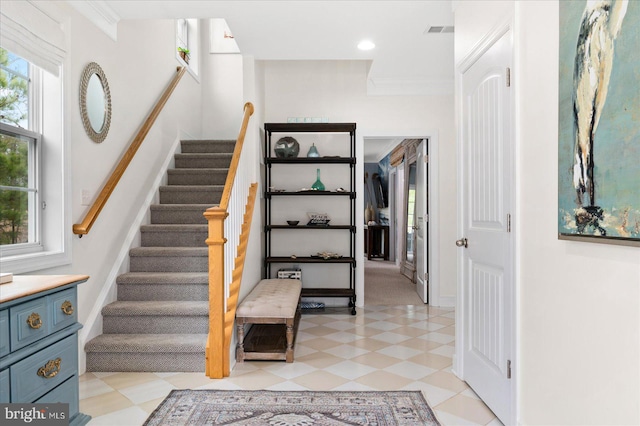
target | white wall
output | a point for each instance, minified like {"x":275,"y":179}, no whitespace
{"x":579,"y":303}
{"x":337,"y":90}
{"x":138,"y":68}
{"x":222,"y":90}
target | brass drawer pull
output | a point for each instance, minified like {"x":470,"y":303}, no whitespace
{"x":34,"y":320}
{"x":51,"y":369}
{"x":67,"y":308}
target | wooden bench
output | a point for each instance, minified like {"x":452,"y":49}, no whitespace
{"x":273,"y":309}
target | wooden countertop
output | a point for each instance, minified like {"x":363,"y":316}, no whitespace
{"x":26,"y":285}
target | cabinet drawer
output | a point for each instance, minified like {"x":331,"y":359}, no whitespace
{"x":66,"y":393}
{"x":41,"y":372}
{"x":63,"y":309}
{"x":29,"y":322}
{"x":4,"y":386}
{"x":4,"y":332}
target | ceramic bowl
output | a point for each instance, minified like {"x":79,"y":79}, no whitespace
{"x":293,"y":222}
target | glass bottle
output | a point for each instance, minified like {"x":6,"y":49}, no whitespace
{"x":318,"y":185}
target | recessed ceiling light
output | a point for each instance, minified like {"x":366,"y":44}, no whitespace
{"x":366,"y":45}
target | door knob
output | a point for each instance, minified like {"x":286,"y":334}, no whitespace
{"x":462,"y":242}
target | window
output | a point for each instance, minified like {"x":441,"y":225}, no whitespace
{"x":36,"y":223}
{"x":19,"y":186}
{"x":19,"y":157}
{"x":34,"y":226}
{"x":182,"y":34}
{"x":14,"y":90}
{"x":187,"y":46}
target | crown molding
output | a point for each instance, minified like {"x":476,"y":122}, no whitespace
{"x":100,"y":14}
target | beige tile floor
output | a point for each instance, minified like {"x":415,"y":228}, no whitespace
{"x":381,"y":348}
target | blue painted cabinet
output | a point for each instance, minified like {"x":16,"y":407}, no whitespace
{"x":39,"y":342}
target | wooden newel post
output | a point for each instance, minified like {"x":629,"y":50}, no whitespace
{"x":216,"y":359}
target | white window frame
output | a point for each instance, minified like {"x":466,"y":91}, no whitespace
{"x":34,"y":243}
{"x":52,"y":245}
{"x":188,"y":36}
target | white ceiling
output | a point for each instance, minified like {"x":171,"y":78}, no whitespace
{"x":406,"y":59}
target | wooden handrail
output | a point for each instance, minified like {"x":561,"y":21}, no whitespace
{"x":233,"y":167}
{"x":83,"y":227}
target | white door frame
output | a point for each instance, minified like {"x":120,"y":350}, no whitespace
{"x":434,"y":200}
{"x":458,"y":362}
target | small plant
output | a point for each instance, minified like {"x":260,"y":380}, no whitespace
{"x":184,"y":53}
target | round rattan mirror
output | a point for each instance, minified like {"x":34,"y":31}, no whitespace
{"x":95,"y":102}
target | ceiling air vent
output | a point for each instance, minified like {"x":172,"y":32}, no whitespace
{"x":434,"y":29}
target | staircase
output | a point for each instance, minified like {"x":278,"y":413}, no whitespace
{"x":161,"y":318}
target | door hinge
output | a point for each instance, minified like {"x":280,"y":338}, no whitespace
{"x":508,"y":369}
{"x":426,"y":277}
{"x":508,"y":77}
{"x":508,"y":222}
{"x":426,"y":158}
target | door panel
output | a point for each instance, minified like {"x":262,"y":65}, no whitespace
{"x":421,"y":223}
{"x":487,"y":263}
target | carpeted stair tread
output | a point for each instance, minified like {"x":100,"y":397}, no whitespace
{"x":147,"y":343}
{"x":194,"y":188}
{"x":179,"y":213}
{"x":169,"y":252}
{"x":173,"y":227}
{"x":200,"y":176}
{"x":202,"y":160}
{"x":204,"y":155}
{"x":156,"y":308}
{"x":163,"y":278}
{"x":184,"y":194}
{"x":174,"y":235}
{"x":193,"y":146}
{"x":181,"y":207}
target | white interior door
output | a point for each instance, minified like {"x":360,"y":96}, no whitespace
{"x":421,"y":223}
{"x":486,"y":266}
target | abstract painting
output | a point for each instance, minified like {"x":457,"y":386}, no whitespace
{"x":599,"y":121}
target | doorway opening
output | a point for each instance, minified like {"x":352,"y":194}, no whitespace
{"x":397,"y":226}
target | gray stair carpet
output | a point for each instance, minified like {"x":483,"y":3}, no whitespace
{"x":161,"y":318}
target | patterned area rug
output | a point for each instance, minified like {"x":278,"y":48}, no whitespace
{"x":296,"y":408}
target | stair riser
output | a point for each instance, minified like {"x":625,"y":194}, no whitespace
{"x":195,"y":162}
{"x":163,"y":292}
{"x":168,"y":196}
{"x":190,"y":178}
{"x":174,"y":239}
{"x":207,"y":146}
{"x":182,"y":217}
{"x":169,"y":264}
{"x":155,"y":324}
{"x":151,"y":362}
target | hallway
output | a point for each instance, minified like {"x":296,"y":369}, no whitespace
{"x":381,"y":348}
{"x":386,"y":286}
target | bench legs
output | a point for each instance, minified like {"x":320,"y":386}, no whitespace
{"x":240,"y":348}
{"x":290,"y":337}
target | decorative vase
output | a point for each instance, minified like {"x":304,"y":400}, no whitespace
{"x":287,"y":147}
{"x":313,"y":151}
{"x":318,"y":185}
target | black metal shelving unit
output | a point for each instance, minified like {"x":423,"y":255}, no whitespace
{"x":350,"y":194}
